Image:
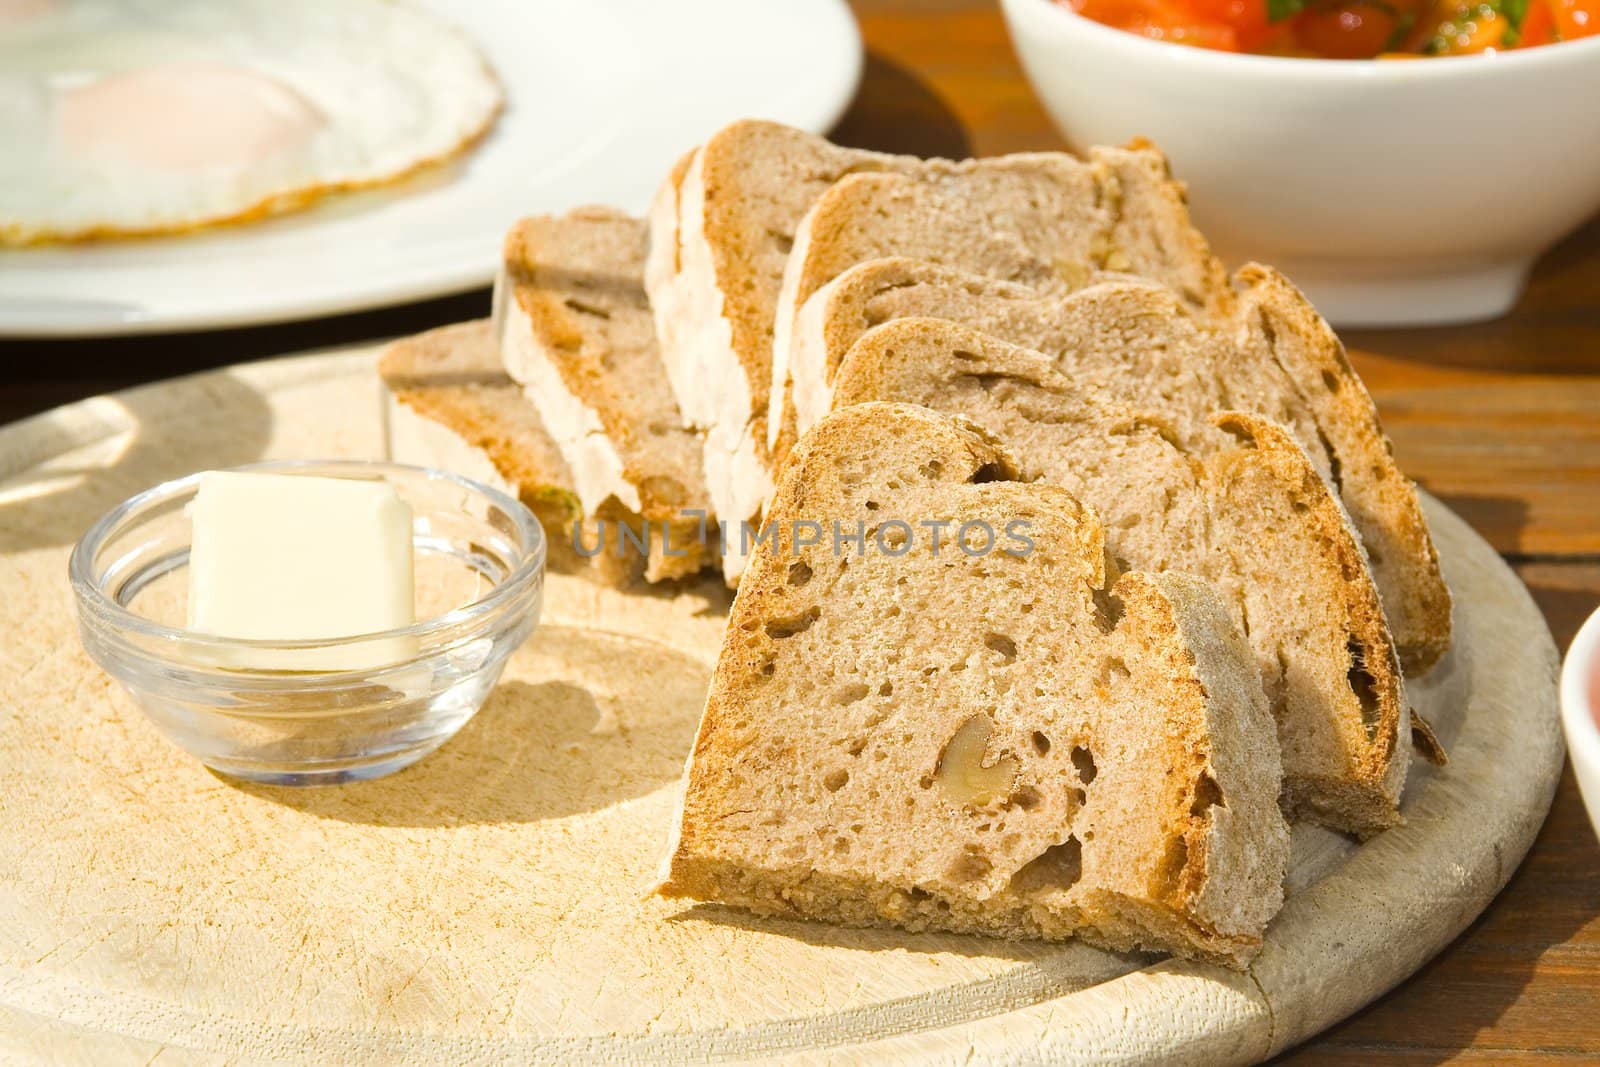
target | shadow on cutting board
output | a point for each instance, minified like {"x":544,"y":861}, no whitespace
{"x":1499,"y":520}
{"x":565,"y":733}
{"x":60,"y":473}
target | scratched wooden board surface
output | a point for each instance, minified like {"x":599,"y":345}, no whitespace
{"x":493,"y":900}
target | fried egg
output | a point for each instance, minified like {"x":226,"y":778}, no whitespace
{"x":133,"y":117}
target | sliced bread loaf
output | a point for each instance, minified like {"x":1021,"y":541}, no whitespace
{"x":1272,"y":356}
{"x":1046,"y":220}
{"x":449,"y":404}
{"x":575,"y":330}
{"x":725,"y":221}
{"x":449,"y":381}
{"x":1238,"y":505}
{"x":1014,"y":742}
{"x":721,"y":229}
{"x":1280,"y":340}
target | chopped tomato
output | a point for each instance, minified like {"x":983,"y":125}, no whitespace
{"x":1433,"y":20}
{"x":1247,"y":19}
{"x":1163,"y":20}
{"x":1576,"y":18}
{"x":1347,"y":30}
{"x":1538,"y":26}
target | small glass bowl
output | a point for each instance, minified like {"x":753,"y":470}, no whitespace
{"x":479,"y":559}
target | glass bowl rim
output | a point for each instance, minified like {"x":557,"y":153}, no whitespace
{"x":92,"y":597}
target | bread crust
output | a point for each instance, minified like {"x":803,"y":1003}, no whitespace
{"x":1158,"y":238}
{"x":453,"y":375}
{"x":451,"y":404}
{"x":1381,"y":500}
{"x":1366,"y":799}
{"x":721,"y":228}
{"x":576,"y":331}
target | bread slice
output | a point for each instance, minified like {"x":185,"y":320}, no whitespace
{"x":721,"y":228}
{"x":1239,"y":506}
{"x":1014,"y":742}
{"x":449,"y":404}
{"x":575,"y":329}
{"x":1272,"y":355}
{"x":1277,"y":330}
{"x":1046,"y":220}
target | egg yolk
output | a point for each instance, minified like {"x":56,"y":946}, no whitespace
{"x":186,"y":116}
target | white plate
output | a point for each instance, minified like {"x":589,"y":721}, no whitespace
{"x":601,"y":98}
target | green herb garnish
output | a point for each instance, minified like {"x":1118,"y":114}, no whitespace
{"x":1515,"y":11}
{"x":1402,"y":30}
{"x":1278,"y":10}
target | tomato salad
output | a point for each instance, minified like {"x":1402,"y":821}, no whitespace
{"x":1350,"y":29}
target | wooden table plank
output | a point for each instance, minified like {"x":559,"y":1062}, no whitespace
{"x":1554,"y":329}
{"x":955,"y":62}
{"x":1515,"y":454}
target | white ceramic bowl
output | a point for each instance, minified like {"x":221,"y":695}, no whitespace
{"x":1580,"y":704}
{"x":1392,"y":191}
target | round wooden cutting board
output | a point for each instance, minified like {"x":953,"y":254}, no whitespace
{"x":493,"y":902}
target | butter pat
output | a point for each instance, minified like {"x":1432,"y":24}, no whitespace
{"x":290,"y":558}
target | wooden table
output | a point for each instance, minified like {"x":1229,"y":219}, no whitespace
{"x":1502,"y":421}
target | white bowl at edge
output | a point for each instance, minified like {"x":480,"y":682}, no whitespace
{"x":1394,"y":192}
{"x":1580,"y":713}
